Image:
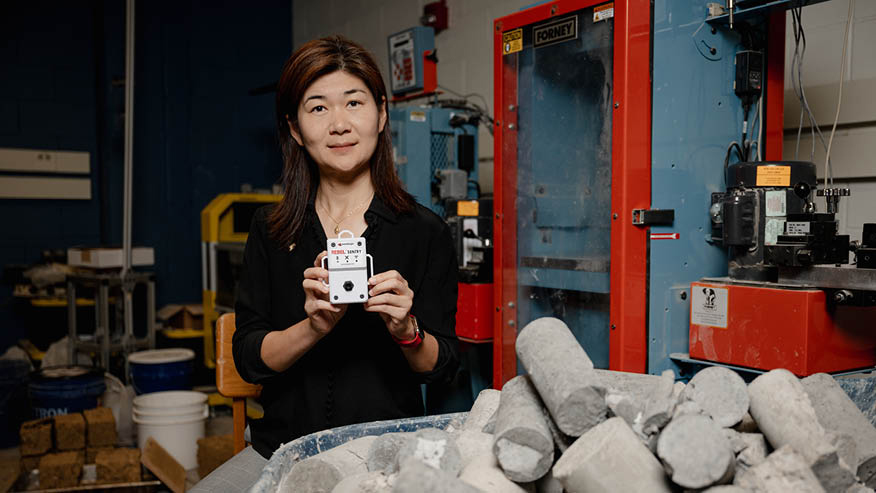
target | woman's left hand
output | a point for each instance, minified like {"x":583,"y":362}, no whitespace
{"x":391,"y":297}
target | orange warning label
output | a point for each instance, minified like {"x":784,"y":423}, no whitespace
{"x":773,"y":176}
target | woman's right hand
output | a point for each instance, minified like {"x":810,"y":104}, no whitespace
{"x":322,"y":315}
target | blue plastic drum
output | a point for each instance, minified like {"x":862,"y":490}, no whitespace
{"x":158,"y":370}
{"x":64,"y":389}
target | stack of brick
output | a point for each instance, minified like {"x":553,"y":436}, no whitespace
{"x":566,"y":426}
{"x":58,"y":447}
{"x":36,"y":440}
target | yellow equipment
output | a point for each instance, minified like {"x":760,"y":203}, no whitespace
{"x":225,"y":225}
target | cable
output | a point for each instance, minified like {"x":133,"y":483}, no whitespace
{"x":839,"y":102}
{"x":727,"y":157}
{"x":797,"y":61}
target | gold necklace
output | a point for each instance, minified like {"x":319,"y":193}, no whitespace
{"x":356,"y":209}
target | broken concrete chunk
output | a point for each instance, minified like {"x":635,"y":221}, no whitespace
{"x":783,"y":470}
{"x":837,"y":413}
{"x":384,"y":450}
{"x":721,"y":393}
{"x":784,"y":413}
{"x":623,"y":406}
{"x":747,"y":425}
{"x":563,"y":374}
{"x":523,"y":442}
{"x":416,"y":477}
{"x":473,"y":443}
{"x":482,"y":410}
{"x":434,"y":447}
{"x":695,"y":452}
{"x":367,"y":482}
{"x":660,"y":404}
{"x":610,"y":458}
{"x":483,"y":472}
{"x":323,"y":472}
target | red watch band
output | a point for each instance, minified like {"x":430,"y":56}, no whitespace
{"x":411,"y":343}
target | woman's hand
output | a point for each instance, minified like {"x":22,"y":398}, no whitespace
{"x":322,"y":315}
{"x":391,"y":297}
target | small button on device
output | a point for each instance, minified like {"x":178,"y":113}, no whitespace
{"x":348,"y":286}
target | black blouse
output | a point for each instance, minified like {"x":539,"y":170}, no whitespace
{"x":356,"y":373}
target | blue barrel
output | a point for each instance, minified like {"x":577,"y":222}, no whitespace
{"x":13,"y":400}
{"x":64,"y":389}
{"x":158,"y":370}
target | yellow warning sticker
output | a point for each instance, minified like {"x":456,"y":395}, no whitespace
{"x":512,"y":41}
{"x":773,"y":176}
{"x":467,"y":208}
{"x":603,"y":12}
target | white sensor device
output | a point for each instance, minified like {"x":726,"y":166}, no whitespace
{"x":349,"y":267}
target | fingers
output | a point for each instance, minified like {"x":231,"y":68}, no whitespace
{"x":318,"y":261}
{"x":396,"y":286}
{"x":383,"y":276}
{"x":390,"y":299}
{"x":316,"y":273}
{"x":317,"y":304}
{"x":394,"y":313}
{"x":315,"y":286}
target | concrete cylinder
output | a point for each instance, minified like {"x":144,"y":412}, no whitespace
{"x":563,"y":374}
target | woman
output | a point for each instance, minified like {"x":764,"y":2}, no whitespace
{"x":324,"y":365}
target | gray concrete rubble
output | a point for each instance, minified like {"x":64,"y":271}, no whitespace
{"x":837,"y":413}
{"x":548,"y":484}
{"x":859,"y":488}
{"x":748,"y":424}
{"x":561,"y":440}
{"x":721,"y":393}
{"x":473,"y":443}
{"x":368,"y":482}
{"x":490,"y":426}
{"x":660,"y":404}
{"x":686,"y":407}
{"x":783,"y":470}
{"x":695,"y":452}
{"x":636,"y":385}
{"x":482,"y":410}
{"x":323,"y":472}
{"x":563,"y":374}
{"x":416,"y":477}
{"x":727,"y":488}
{"x":784,"y":413}
{"x":483,"y":472}
{"x":523,"y":442}
{"x":846,"y":448}
{"x":384,"y":450}
{"x":623,"y":406}
{"x":610,"y":458}
{"x":750,"y":448}
{"x":434,"y":447}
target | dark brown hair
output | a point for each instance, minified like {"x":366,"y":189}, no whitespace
{"x":300,"y":177}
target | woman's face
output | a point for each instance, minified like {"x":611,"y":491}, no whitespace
{"x":338,"y":123}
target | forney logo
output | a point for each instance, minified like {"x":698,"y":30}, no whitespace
{"x":709,"y":302}
{"x":555,"y":32}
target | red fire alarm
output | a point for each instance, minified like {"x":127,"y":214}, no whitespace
{"x":435,"y":15}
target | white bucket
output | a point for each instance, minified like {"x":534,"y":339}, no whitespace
{"x":170,"y":403}
{"x":175,"y":419}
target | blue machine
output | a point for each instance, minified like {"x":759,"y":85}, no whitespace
{"x":407,"y":64}
{"x":557,"y":156}
{"x":428,"y":141}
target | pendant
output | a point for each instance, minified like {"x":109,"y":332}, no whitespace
{"x":337,"y":228}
